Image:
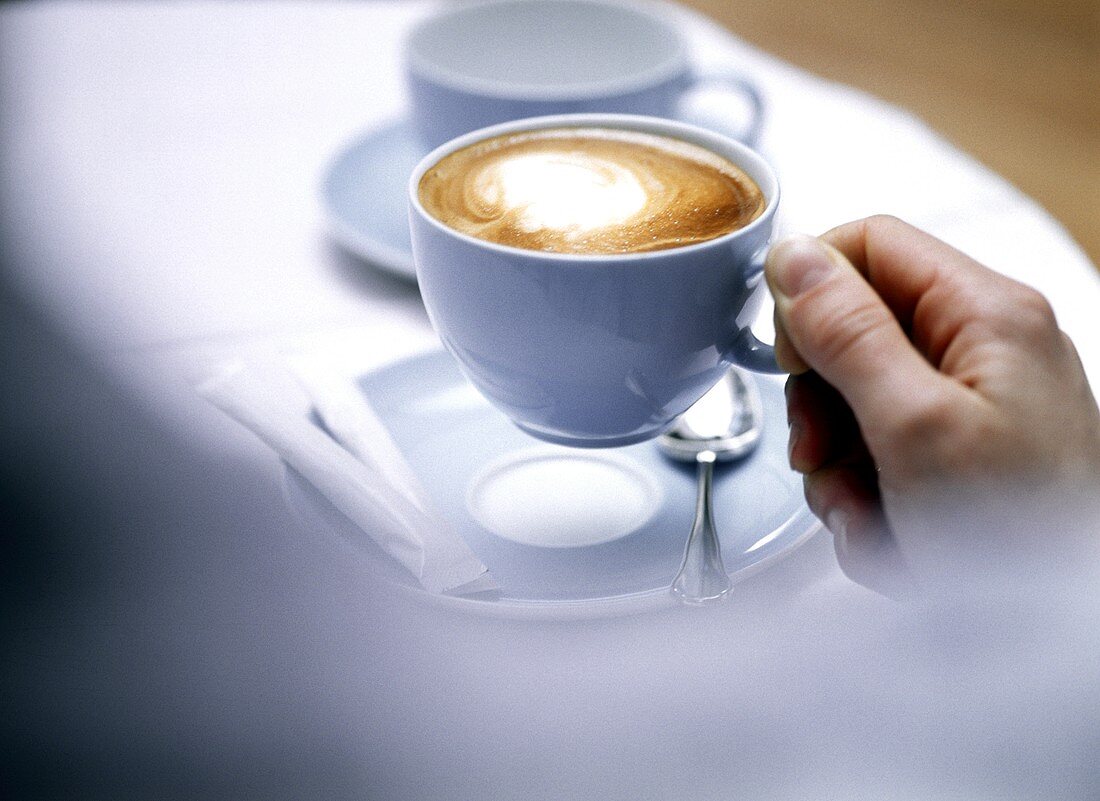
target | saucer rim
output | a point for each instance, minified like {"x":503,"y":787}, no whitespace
{"x":316,"y":513}
{"x":378,"y":254}
{"x":622,"y":605}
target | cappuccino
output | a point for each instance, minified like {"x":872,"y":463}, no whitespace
{"x":589,"y":191}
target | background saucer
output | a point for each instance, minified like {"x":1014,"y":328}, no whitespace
{"x":565,"y":532}
{"x":363,"y":193}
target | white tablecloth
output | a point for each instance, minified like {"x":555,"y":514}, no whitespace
{"x":161,"y":164}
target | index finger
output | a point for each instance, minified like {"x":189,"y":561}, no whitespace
{"x":933,"y":289}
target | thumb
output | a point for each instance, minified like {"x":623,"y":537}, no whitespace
{"x":841,"y":328}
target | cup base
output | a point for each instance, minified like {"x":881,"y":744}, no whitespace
{"x":590,"y":442}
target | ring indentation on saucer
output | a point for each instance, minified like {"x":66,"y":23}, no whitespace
{"x":557,"y":498}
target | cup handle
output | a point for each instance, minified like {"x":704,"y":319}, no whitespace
{"x":733,"y":82}
{"x":747,"y":350}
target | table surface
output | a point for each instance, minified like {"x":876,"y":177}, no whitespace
{"x":1014,"y":82}
{"x":162,"y":162}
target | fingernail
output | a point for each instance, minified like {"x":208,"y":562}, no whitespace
{"x":797,"y":264}
{"x":837,"y":522}
{"x":794,"y":434}
{"x":788,"y":393}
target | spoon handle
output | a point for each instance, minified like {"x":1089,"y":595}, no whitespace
{"x":702,"y":575}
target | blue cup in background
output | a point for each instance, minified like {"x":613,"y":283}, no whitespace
{"x":596,"y":350}
{"x":472,"y":66}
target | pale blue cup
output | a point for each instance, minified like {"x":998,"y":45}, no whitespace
{"x":470,"y":66}
{"x":596,"y":350}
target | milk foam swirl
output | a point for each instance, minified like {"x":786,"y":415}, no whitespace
{"x":589,"y":190}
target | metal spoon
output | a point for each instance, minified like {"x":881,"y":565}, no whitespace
{"x":724,"y":424}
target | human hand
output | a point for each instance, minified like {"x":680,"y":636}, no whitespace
{"x":942,"y":421}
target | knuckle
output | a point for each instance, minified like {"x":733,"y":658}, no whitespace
{"x":883,"y":220}
{"x":1013,"y":313}
{"x":1032,"y":312}
{"x":924,"y":422}
{"x":938,"y":439}
{"x":884,"y":224}
{"x":922,"y":436}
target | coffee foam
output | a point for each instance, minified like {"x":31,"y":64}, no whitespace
{"x":590,"y":190}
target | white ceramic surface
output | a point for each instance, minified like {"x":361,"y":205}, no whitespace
{"x":582,"y":533}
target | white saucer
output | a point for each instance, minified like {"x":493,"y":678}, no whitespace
{"x":566,"y":533}
{"x":363,"y":193}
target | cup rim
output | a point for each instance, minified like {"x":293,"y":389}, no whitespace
{"x":694,"y":134}
{"x":419,"y":65}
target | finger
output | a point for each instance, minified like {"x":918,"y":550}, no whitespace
{"x":785,"y":354}
{"x":845,"y":332}
{"x":934,"y":290}
{"x":840,"y":494}
{"x":868,"y":554}
{"x":845,"y":498}
{"x":901,"y":262}
{"x":822,"y":427}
